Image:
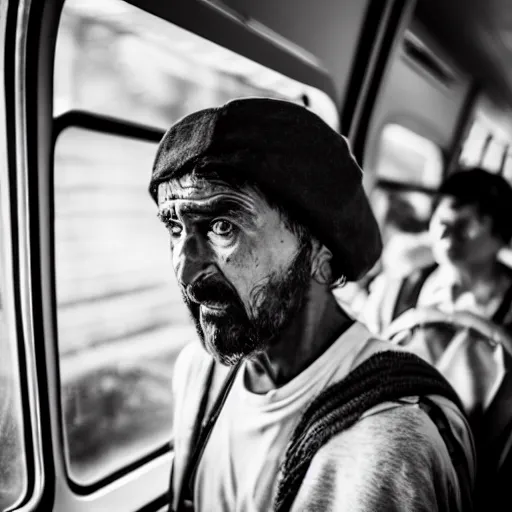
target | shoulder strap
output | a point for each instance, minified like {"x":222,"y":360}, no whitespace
{"x":201,"y":412}
{"x":202,"y":430}
{"x":410,"y":290}
{"x":385,"y":376}
{"x":203,"y":404}
{"x":455,"y":450}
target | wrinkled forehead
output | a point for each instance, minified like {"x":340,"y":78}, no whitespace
{"x":193,"y":187}
{"x":211,"y":194}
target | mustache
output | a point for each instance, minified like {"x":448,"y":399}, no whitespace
{"x":212,"y":289}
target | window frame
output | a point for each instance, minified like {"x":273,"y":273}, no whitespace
{"x":16,"y":43}
{"x":492,"y":144}
{"x":506,"y":168}
{"x":10,"y":282}
{"x":120,"y":128}
{"x":474,"y":125}
{"x":389,"y":183}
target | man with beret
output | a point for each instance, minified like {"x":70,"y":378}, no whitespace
{"x":289,"y":404}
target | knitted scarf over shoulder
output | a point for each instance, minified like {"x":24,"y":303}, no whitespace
{"x":386,"y":376}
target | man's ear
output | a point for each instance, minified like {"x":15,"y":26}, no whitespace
{"x":321,"y":268}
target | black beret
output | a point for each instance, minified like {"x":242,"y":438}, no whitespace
{"x":313,"y":173}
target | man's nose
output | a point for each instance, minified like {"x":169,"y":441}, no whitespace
{"x":194,"y":258}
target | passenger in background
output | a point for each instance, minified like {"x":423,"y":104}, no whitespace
{"x":471,"y":223}
{"x":406,"y":248}
{"x":305,"y":409}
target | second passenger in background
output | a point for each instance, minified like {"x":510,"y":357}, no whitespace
{"x":470,"y":225}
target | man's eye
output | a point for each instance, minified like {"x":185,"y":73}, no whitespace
{"x":222,"y":228}
{"x":174,"y":228}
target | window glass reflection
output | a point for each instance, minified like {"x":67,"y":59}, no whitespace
{"x":13,"y":470}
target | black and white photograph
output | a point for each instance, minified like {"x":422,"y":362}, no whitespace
{"x":255,"y":255}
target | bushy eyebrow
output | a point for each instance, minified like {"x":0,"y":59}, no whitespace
{"x":166,"y":215}
{"x":217,"y":207}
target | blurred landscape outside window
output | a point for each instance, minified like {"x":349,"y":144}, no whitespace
{"x":13,"y":468}
{"x":121,"y":319}
{"x":117,"y":60}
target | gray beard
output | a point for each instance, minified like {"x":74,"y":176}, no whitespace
{"x":231,"y":335}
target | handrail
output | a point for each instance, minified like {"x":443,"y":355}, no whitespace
{"x":492,"y":333}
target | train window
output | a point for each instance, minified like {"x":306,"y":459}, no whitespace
{"x":115,"y":59}
{"x":409,"y":169}
{"x":493,"y":157}
{"x":406,"y":157}
{"x":507,"y":168}
{"x":121,"y":320}
{"x":13,"y":469}
{"x":474,"y":145}
{"x":401,"y":211}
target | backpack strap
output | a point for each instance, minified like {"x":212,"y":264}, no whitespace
{"x":455,"y":450}
{"x":201,"y":412}
{"x":410,"y":290}
{"x":202,"y":429}
{"x":384,"y":377}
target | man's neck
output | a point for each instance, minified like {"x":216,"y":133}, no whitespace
{"x":316,"y":328}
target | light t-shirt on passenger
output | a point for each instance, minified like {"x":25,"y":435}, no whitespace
{"x":475,"y":370}
{"x":376,"y":463}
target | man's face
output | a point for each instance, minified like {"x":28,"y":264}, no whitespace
{"x":241,"y":271}
{"x":461,"y":236}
